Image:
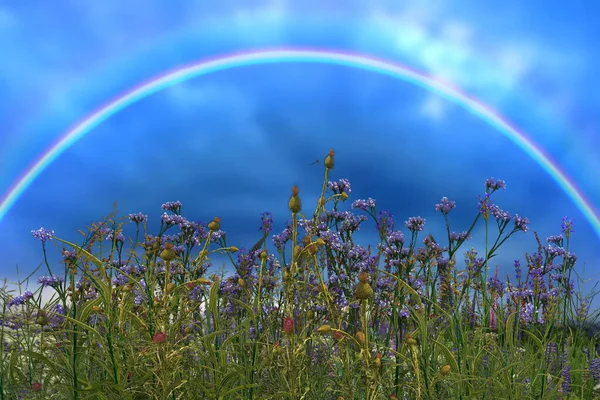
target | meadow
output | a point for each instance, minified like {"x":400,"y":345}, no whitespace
{"x":318,"y":317}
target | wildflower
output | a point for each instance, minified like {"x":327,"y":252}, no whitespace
{"x":49,"y":280}
{"x":36,"y":386}
{"x":364,"y":205}
{"x":521,"y":223}
{"x":288,"y":325}
{"x":459,"y":237}
{"x":567,"y":226}
{"x":173,"y":206}
{"x":363,"y":289}
{"x":266,"y":220}
{"x":159,"y":337}
{"x":138,"y":218}
{"x":324,"y":329}
{"x":595,"y":369}
{"x":295,"y":204}
{"x":341,"y":186}
{"x":494,"y":184}
{"x":20,"y":300}
{"x":445,"y":206}
{"x":566,"y":375}
{"x":415,"y":224}
{"x":42,"y":234}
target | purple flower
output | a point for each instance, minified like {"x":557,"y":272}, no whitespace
{"x":173,"y":206}
{"x":342,"y":185}
{"x":266,"y":220}
{"x":280,"y":240}
{"x":566,"y":375}
{"x":138,"y":218}
{"x":485,"y":206}
{"x":494,"y":184}
{"x":415,"y":224}
{"x":459,"y":237}
{"x":364,"y":205}
{"x":20,"y":300}
{"x":42,"y":234}
{"x":396,"y":238}
{"x":445,"y":206}
{"x":556,"y":240}
{"x":595,"y":369}
{"x":521,"y":223}
{"x":517,"y":264}
{"x":49,"y":280}
{"x":567,"y":226}
{"x":172,"y":219}
{"x":385,"y":222}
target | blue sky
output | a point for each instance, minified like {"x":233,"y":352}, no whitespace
{"x":232,"y":143}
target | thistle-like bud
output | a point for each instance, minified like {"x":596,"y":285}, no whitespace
{"x":168,"y":253}
{"x":329,"y":159}
{"x":170,"y":287}
{"x":445,"y":370}
{"x":215,"y":224}
{"x":363,"y":289}
{"x":294,"y":204}
{"x":297,"y":250}
{"x":264,"y":255}
{"x":377,"y":360}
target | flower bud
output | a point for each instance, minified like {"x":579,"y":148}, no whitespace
{"x":168,"y":253}
{"x":294,"y":204}
{"x":360,"y":338}
{"x":215,"y":224}
{"x":324,"y":329}
{"x":329,"y":159}
{"x":445,"y":370}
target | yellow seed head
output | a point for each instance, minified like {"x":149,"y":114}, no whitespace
{"x":344,"y":196}
{"x":264,"y":255}
{"x":97,"y":309}
{"x":242,"y":283}
{"x":377,"y":360}
{"x":411,"y":342}
{"x":445,"y":370}
{"x":324,"y":329}
{"x":329,"y":163}
{"x":320,"y":242}
{"x":233,"y":249}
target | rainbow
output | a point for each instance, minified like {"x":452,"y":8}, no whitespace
{"x":271,"y":56}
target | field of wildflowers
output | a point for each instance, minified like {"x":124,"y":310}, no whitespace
{"x":324,"y":318}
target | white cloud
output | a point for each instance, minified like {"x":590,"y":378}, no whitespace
{"x":434,"y":107}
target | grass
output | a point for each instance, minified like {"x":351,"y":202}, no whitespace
{"x":323,"y":318}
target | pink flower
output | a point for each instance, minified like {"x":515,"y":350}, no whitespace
{"x":36,"y":386}
{"x":159,"y":337}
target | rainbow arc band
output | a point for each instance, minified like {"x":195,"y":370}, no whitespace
{"x":287,"y":55}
